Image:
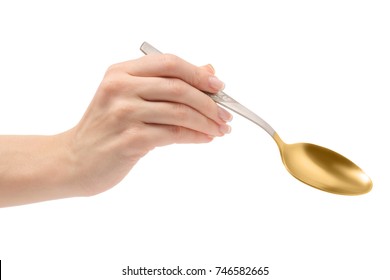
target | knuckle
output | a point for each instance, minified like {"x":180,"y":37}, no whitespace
{"x":181,"y":112}
{"x":196,"y":78}
{"x":176,"y":88}
{"x":123,"y":112}
{"x":114,"y":81}
{"x":193,"y":76}
{"x":113,"y":68}
{"x":111,"y":84}
{"x":169,"y":62}
{"x":178,"y":133}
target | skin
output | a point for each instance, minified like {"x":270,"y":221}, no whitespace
{"x":141,"y":104}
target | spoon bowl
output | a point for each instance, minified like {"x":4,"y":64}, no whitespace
{"x":313,"y":165}
{"x":323,"y":169}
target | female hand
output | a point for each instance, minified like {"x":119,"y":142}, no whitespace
{"x":141,"y":104}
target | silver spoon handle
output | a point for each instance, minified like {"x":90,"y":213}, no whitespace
{"x":224,"y":99}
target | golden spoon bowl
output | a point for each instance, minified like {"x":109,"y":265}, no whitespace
{"x":323,"y":169}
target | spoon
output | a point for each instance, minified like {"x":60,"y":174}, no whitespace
{"x":313,"y":165}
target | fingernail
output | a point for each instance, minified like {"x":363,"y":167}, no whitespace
{"x":224,"y":115}
{"x":225,"y":129}
{"x":216,"y":83}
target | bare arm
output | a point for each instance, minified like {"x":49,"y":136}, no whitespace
{"x":34,"y":168}
{"x":141,"y":104}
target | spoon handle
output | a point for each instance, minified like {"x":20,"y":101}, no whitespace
{"x":224,"y":99}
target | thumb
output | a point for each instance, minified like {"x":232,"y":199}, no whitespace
{"x":209,"y":68}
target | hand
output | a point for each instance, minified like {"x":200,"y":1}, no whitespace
{"x":141,"y":104}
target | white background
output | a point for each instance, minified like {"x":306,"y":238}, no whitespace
{"x":317,"y":71}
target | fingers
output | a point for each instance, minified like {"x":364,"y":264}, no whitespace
{"x":168,"y":65}
{"x":166,"y":94}
{"x":180,"y":115}
{"x":170,"y":78}
{"x":156,"y":135}
{"x":175,"y":90}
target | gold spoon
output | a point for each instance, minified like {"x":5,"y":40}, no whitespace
{"x":314,"y":165}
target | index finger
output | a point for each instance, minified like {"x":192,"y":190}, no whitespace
{"x":169,"y":65}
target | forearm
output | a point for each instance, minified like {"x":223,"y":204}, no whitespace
{"x":34,"y":168}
